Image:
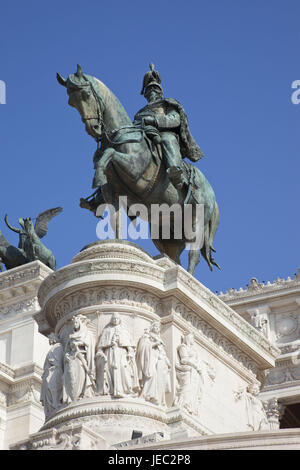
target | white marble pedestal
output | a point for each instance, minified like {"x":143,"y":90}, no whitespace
{"x":119,"y":277}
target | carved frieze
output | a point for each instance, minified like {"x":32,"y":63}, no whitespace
{"x":282,"y":375}
{"x":98,"y":296}
{"x":25,"y":306}
{"x":90,"y":268}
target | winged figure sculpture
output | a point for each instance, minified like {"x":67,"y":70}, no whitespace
{"x":30,"y":246}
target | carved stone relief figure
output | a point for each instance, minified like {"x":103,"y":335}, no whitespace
{"x":189,"y":375}
{"x":257,"y":417}
{"x":116,"y":372}
{"x":79,"y":366}
{"x":153,"y":366}
{"x":52,"y":378}
{"x":260,"y":322}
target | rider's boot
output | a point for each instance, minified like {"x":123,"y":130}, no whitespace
{"x":175,"y":176}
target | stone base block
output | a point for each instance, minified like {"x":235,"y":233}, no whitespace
{"x":73,"y":437}
{"x":283,"y":439}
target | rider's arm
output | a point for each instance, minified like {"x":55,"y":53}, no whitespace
{"x":170,"y":120}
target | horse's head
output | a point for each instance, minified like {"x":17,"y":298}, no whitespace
{"x":83,"y":97}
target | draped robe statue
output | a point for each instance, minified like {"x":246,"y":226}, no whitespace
{"x":189,"y":376}
{"x":79,"y":366}
{"x":116,"y":372}
{"x":153,"y":366}
{"x":52,"y":378}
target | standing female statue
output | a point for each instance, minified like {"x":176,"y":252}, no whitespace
{"x":52,"y":378}
{"x":79,"y":361}
{"x":153,"y":366}
{"x":189,"y":375}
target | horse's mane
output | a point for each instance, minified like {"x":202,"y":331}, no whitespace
{"x":111,"y":103}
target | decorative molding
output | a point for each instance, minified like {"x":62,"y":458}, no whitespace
{"x":66,"y":414}
{"x":7,"y":370}
{"x":119,"y":250}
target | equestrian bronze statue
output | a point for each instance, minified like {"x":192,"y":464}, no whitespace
{"x":144,"y":160}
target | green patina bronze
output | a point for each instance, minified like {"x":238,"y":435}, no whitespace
{"x":30,"y":247}
{"x":144,"y":159}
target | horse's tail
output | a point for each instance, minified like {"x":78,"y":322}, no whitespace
{"x":209,"y":235}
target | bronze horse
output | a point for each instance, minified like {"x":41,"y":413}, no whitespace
{"x":130,"y":164}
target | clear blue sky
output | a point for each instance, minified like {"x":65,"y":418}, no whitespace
{"x":229,"y":62}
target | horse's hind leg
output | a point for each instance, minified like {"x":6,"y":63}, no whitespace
{"x":194,"y":258}
{"x":194,"y":253}
{"x":213,"y":228}
{"x":170,"y":248}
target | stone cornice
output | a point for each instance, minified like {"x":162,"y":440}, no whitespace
{"x":15,"y":375}
{"x":255,"y":290}
{"x":22,"y":280}
{"x":7,"y":373}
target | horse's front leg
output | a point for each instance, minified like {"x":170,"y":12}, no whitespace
{"x":116,"y":218}
{"x":100,"y":178}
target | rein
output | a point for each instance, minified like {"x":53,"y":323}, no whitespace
{"x":109,"y":135}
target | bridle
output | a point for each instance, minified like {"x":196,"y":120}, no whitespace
{"x":100,"y":109}
{"x":99,"y":117}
